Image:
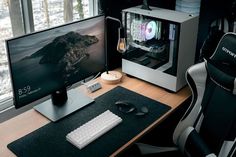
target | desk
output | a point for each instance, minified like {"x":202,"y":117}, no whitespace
{"x":31,"y":120}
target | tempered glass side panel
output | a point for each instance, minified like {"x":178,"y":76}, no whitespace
{"x":152,"y":42}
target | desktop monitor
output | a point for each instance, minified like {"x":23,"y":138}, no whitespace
{"x":48,"y":62}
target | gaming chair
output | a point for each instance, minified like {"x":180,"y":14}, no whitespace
{"x":208,"y":128}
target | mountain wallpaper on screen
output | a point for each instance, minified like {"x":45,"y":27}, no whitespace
{"x":66,"y":51}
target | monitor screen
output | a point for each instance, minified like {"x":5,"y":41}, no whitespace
{"x":46,"y":61}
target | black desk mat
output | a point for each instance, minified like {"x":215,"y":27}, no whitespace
{"x":50,"y":140}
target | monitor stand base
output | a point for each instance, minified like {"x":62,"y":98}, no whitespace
{"x":76,"y":100}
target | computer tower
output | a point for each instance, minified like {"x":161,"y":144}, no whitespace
{"x":161,"y":45}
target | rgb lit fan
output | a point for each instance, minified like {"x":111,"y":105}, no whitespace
{"x":150,"y":30}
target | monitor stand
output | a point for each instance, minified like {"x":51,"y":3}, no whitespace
{"x":76,"y":100}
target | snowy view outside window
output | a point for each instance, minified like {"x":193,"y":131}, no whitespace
{"x":46,"y":13}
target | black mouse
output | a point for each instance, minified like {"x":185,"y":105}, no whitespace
{"x":143,"y":111}
{"x":125,"y":106}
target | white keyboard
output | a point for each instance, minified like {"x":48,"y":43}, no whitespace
{"x":93,"y":129}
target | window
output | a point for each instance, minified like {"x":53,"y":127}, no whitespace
{"x":18,"y":17}
{"x":5,"y":32}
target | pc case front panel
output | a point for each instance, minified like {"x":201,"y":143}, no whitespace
{"x":156,"y":45}
{"x":187,"y":48}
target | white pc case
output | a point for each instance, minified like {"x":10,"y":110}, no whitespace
{"x":161,"y":45}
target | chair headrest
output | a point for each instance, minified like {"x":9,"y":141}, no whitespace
{"x":221,"y":78}
{"x":221,"y":66}
{"x":225,"y":52}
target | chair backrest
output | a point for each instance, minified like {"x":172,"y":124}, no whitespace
{"x":212,"y":112}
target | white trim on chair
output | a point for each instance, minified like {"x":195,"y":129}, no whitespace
{"x":226,"y":148}
{"x":197,"y":72}
{"x":183,"y":137}
{"x":199,"y":123}
{"x":211,"y":155}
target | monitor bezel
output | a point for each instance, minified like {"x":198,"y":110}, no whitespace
{"x":46,"y":95}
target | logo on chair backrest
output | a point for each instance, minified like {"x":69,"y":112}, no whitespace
{"x":229,"y":52}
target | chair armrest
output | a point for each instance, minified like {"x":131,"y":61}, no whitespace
{"x":195,"y":146}
{"x":149,"y":149}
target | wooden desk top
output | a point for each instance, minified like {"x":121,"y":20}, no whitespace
{"x":31,"y":120}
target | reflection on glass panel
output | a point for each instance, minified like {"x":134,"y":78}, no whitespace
{"x":152,"y":42}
